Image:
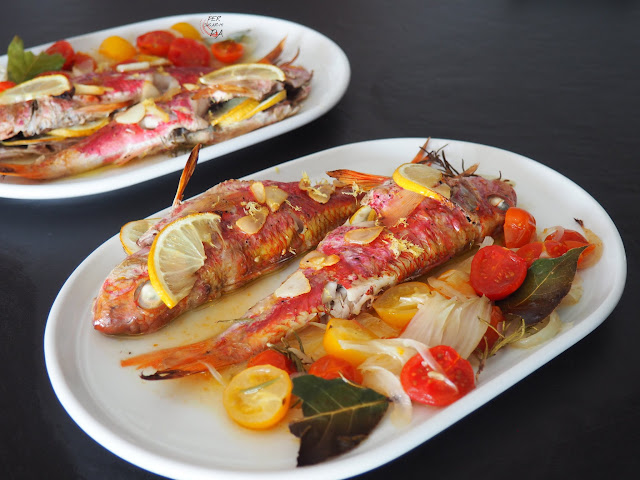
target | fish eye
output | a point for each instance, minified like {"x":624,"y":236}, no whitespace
{"x":498,"y":202}
{"x":146,"y":296}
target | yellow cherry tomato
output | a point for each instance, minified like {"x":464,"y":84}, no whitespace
{"x":350,"y":330}
{"x":117,"y":48}
{"x":399,"y":304}
{"x":258,"y":397}
{"x":187,"y":30}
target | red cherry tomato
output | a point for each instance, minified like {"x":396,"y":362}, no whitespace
{"x":330,"y":367}
{"x":519,"y":227}
{"x":84,"y":63}
{"x":547,"y":249}
{"x":492,"y":335}
{"x":497,"y":272}
{"x":227,"y":51}
{"x":187,"y":52}
{"x":424,"y":385}
{"x":276,"y":359}
{"x":572,"y":239}
{"x":6,"y":85}
{"x":65,"y":49}
{"x":155,"y":43}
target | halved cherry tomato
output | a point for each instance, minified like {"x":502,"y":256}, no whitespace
{"x":65,"y":49}
{"x":492,"y":335}
{"x":156,"y":42}
{"x":519,"y":227}
{"x":572,"y":239}
{"x":547,"y":249}
{"x":187,"y":52}
{"x":427,"y":386}
{"x":84,"y":63}
{"x":6,"y":85}
{"x":227,"y":51}
{"x":276,"y":359}
{"x":330,"y":367}
{"x":497,"y":272}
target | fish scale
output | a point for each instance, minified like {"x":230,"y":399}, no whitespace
{"x":433,"y":232}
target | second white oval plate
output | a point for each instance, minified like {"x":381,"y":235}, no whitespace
{"x":179,"y":428}
{"x":331,"y":74}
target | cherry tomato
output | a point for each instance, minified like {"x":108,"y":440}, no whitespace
{"x":572,"y":239}
{"x":273,"y":358}
{"x":519,"y":227}
{"x":547,"y":249}
{"x":155,"y":43}
{"x":330,"y":367}
{"x":227,"y":51}
{"x":65,"y":49}
{"x":84,"y":63}
{"x":424,"y":385}
{"x":6,"y":85}
{"x":492,"y":335}
{"x":187,"y":52}
{"x":497,"y":272}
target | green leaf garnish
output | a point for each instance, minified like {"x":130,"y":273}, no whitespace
{"x":548,"y":281}
{"x":22,"y":66}
{"x":337,"y":416}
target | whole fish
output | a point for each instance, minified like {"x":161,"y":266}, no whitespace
{"x":352,"y":265}
{"x":123,"y":305}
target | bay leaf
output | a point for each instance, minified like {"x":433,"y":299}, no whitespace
{"x":547,"y":282}
{"x":24,"y":65}
{"x":337,"y":416}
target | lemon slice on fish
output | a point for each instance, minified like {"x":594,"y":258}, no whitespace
{"x":178,"y":252}
{"x":422,"y":179}
{"x":132,"y":231}
{"x":45,"y":86}
{"x":248,"y":108}
{"x":243,"y":71}
{"x":79,"y":130}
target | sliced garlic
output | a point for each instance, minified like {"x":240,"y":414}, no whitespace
{"x":296,"y":284}
{"x":152,"y":109}
{"x":129,"y":67}
{"x":253,"y":222}
{"x":274,"y":197}
{"x":132,"y":115}
{"x":363,"y":236}
{"x":82,"y":89}
{"x":257,"y":188}
{"x":149,"y":90}
{"x":318,"y":260}
{"x":321,"y":193}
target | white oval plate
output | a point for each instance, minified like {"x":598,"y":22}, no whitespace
{"x":331,"y":73}
{"x":178,"y":428}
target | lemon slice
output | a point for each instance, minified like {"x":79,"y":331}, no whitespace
{"x":243,"y":71}
{"x":23,"y":142}
{"x":132,"y":231}
{"x":45,"y":86}
{"x":420,"y":178}
{"x":79,"y":130}
{"x":177,"y":253}
{"x":248,"y":108}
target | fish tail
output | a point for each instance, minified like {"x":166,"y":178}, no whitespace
{"x":365,"y":181}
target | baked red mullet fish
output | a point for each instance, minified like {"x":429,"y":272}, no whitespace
{"x":395,"y":236}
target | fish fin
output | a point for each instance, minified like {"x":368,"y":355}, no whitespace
{"x":365,"y":181}
{"x":187,"y":171}
{"x":24,"y":170}
{"x":422,"y":154}
{"x":273,"y":55}
{"x":400,"y":207}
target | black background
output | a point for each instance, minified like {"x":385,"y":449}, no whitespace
{"x":554,"y":82}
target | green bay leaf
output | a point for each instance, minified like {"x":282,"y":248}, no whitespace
{"x":22,"y":66}
{"x":548,"y":281}
{"x":337,"y":416}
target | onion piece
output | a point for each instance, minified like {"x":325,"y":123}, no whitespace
{"x":385,"y":382}
{"x":548,"y":328}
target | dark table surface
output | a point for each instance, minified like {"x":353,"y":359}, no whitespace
{"x":556,"y":83}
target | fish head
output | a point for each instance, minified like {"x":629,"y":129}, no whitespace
{"x":127,"y":302}
{"x":488,"y":199}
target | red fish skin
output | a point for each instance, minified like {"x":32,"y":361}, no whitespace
{"x":234,"y":260}
{"x":432,"y":234}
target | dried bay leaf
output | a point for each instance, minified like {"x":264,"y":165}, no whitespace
{"x":548,"y":281}
{"x":337,"y":416}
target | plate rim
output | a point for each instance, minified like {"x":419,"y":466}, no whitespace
{"x":77,"y":186}
{"x":133,"y":453}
